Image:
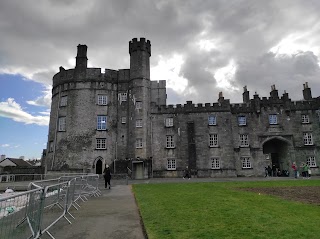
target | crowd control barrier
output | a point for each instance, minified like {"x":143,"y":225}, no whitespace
{"x":33,"y":213}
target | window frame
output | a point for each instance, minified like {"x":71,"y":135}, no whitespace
{"x":215,"y":163}
{"x":170,"y":142}
{"x":62,"y":124}
{"x":123,"y":96}
{"x":305,"y":119}
{"x":139,"y":143}
{"x":244,"y":142}
{"x":242,"y":120}
{"x":102,"y":99}
{"x":311,"y":161}
{"x":246,"y":162}
{"x":51,"y":146}
{"x":138,"y":105}
{"x":171,"y":164}
{"x":138,"y":123}
{"x":123,"y":120}
{"x":273,"y":119}
{"x":169,"y":122}
{"x":307,"y":138}
{"x":100,"y":143}
{"x":101,"y":125}
{"x":213,"y":140}
{"x":64,"y":101}
{"x":212,"y":120}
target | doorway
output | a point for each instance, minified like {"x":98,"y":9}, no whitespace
{"x":278,"y":150}
{"x":99,"y":166}
{"x":138,"y":170}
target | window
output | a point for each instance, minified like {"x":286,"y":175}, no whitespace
{"x":139,"y":123}
{"x":101,"y":143}
{"x":171,"y":164}
{"x":63,"y":101}
{"x":138,"y":105}
{"x":139,"y":143}
{"x":123,"y":119}
{"x":273,"y":119}
{"x":305,"y":119}
{"x":215,"y":163}
{"x":213,"y":140}
{"x":242,"y":120}
{"x":123,"y":96}
{"x":169,"y":141}
{"x":212,"y":120}
{"x":246,"y":163}
{"x":51,"y":146}
{"x":62,"y":124}
{"x":101,"y":122}
{"x":102,"y":100}
{"x":244,"y":140}
{"x":311,"y":161}
{"x":169,"y":122}
{"x":307,"y":139}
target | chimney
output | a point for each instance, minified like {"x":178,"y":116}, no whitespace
{"x":245,"y":95}
{"x":306,"y":92}
{"x":3,"y":156}
{"x":274,"y":92}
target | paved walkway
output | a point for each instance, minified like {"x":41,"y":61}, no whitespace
{"x":112,"y":215}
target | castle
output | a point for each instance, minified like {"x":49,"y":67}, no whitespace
{"x":120,"y":117}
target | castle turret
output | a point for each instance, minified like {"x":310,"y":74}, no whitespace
{"x":306,"y":92}
{"x":139,"y":99}
{"x":245,"y":95}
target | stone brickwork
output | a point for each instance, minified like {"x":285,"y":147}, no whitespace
{"x":136,"y":126}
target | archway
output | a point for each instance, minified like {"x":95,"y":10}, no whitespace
{"x":98,"y":165}
{"x":278,"y":151}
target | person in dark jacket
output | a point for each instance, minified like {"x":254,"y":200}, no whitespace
{"x":107,"y":176}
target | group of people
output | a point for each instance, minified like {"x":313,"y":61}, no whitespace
{"x":275,"y":172}
{"x":306,"y":172}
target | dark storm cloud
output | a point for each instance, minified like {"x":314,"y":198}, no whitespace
{"x":39,"y":36}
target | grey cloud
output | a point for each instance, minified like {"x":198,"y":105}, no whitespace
{"x":41,"y":37}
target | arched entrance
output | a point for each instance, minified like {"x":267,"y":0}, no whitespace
{"x":98,"y":165}
{"x":277,"y":149}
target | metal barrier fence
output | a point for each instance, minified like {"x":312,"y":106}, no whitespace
{"x":31,"y":214}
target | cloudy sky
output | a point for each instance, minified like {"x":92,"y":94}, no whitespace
{"x":199,"y":47}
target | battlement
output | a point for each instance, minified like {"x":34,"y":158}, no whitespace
{"x":141,"y":45}
{"x":189,"y":107}
{"x":158,"y":84}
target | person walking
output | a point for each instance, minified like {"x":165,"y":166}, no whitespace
{"x":295,"y":169}
{"x":107,"y":176}
{"x":186,"y":173}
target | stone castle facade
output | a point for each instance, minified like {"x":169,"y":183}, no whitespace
{"x":121,"y":118}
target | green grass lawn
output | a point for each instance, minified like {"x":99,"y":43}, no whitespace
{"x":220,"y":210}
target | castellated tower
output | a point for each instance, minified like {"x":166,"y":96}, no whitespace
{"x":139,"y":99}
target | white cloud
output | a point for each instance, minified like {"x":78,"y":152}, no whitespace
{"x":11,"y":109}
{"x":44,"y":100}
{"x":5,"y":145}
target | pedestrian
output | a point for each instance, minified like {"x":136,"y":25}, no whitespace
{"x":305,"y":168}
{"x":308,"y":171}
{"x":295,"y":169}
{"x":186,"y":173}
{"x":269,"y":171}
{"x":107,"y":176}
